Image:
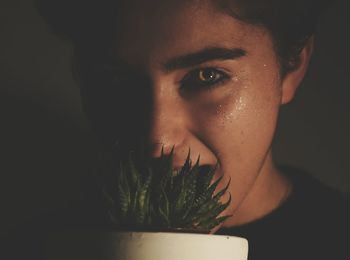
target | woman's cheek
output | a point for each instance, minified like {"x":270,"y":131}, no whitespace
{"x":244,"y":121}
{"x":241,"y":112}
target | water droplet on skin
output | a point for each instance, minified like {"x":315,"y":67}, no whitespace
{"x":229,"y":117}
{"x":241,"y":104}
{"x":219,"y":109}
{"x":235,"y":79}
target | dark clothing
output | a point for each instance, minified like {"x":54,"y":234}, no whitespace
{"x":313,"y":223}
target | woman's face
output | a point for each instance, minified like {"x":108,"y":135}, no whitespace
{"x":189,"y":75}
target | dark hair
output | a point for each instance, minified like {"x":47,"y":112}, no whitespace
{"x":290,"y":22}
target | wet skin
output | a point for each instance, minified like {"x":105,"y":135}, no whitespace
{"x":189,"y":75}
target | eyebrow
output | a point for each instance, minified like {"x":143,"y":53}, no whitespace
{"x":205,"y":55}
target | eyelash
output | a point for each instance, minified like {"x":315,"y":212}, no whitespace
{"x":189,"y":83}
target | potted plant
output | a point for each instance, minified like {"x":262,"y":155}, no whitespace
{"x":163,"y":214}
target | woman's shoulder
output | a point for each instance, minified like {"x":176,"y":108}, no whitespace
{"x":318,"y":207}
{"x":313,"y":193}
{"x":310,"y":224}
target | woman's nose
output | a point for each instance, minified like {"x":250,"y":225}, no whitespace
{"x":167,"y":122}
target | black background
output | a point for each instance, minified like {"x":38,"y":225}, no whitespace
{"x":47,"y":149}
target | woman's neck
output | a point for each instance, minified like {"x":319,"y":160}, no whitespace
{"x":269,"y":191}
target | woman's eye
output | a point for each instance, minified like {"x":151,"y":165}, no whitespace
{"x":206,"y":78}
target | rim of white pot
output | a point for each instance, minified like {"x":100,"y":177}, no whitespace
{"x":175,"y":246}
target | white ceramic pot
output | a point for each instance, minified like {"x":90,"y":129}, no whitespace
{"x":144,"y":246}
{"x":178,"y":246}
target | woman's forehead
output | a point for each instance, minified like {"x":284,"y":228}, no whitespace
{"x":163,"y":4}
{"x":153,"y":11}
{"x":184,"y":29}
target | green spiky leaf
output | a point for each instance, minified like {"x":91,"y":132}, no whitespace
{"x":153,"y":196}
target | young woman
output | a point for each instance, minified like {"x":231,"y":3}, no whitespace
{"x":209,"y":75}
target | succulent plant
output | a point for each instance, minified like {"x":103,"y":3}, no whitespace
{"x":155,"y":197}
